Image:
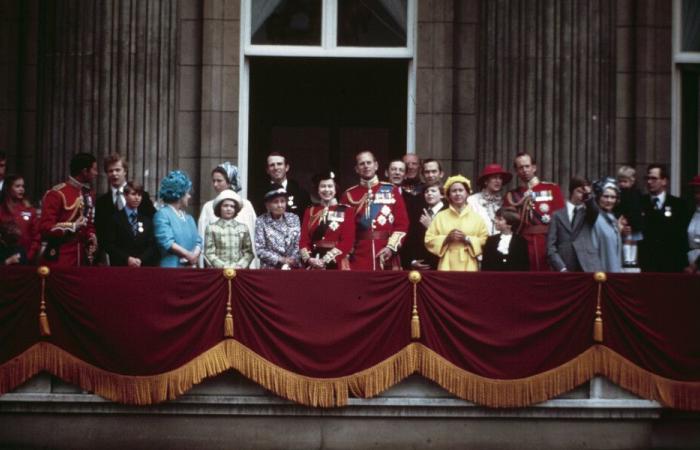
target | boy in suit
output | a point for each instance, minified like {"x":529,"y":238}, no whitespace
{"x":129,"y":238}
{"x":116,"y":167}
{"x":506,"y":251}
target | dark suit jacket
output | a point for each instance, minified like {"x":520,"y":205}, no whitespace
{"x":665,"y":244}
{"x":104,"y":212}
{"x":570,"y":246}
{"x":517,"y":258}
{"x":120,"y":241}
{"x":413,"y":247}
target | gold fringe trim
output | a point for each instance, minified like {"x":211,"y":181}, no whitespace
{"x":136,"y":390}
{"x":333,"y":392}
{"x":323,"y":392}
{"x":675,"y":394}
{"x":512,"y":393}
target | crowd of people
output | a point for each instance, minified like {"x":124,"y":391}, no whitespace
{"x":415,"y":220}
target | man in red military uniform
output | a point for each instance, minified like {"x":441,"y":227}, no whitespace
{"x":381,"y":220}
{"x":67,"y":216}
{"x":536,"y":200}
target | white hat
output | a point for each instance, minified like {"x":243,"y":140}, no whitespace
{"x":227,"y":194}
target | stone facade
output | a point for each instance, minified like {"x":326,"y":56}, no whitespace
{"x":229,"y":411}
{"x":585,"y":86}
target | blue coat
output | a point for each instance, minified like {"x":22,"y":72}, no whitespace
{"x":172,"y":229}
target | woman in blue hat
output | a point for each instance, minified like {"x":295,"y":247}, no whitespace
{"x":175,"y":230}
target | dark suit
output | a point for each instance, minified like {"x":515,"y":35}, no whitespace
{"x":517,"y":258}
{"x":413,"y":247}
{"x":105,"y":209}
{"x":665,"y":244}
{"x":570,"y":246}
{"x":120,"y":241}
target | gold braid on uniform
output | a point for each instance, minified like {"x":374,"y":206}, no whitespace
{"x":394,"y":241}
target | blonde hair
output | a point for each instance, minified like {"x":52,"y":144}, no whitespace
{"x":626,"y":172}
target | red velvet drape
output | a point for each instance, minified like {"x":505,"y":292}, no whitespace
{"x":111,"y":324}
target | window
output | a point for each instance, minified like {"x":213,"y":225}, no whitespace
{"x":286,"y":22}
{"x":332,"y":28}
{"x":690,"y":26}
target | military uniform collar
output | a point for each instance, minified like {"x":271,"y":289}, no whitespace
{"x":75,"y":183}
{"x":369,"y":183}
{"x":534,"y":181}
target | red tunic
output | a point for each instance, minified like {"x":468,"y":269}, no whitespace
{"x":380,"y":221}
{"x":328,"y":233}
{"x":63,"y":206}
{"x":536,"y":204}
{"x":26,"y":219}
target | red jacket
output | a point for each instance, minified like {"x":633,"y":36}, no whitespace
{"x":338,"y":236}
{"x":63,"y":206}
{"x":26,"y":219}
{"x":380,"y":221}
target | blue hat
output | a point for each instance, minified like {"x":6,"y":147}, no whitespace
{"x":174,"y":186}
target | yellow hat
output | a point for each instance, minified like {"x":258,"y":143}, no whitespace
{"x":457,"y":179}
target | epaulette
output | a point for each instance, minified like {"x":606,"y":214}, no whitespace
{"x":351,"y":188}
{"x":386,"y":183}
{"x":58,"y":187}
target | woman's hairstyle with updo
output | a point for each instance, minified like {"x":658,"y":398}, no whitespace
{"x":606,"y":183}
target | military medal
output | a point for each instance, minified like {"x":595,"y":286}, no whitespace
{"x":544,"y":207}
{"x":667,"y":211}
{"x":333,"y":225}
{"x":140,"y":227}
{"x":546,"y":218}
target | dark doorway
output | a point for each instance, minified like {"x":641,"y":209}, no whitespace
{"x":320,"y":112}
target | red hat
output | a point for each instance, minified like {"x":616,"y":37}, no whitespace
{"x":494,"y":169}
{"x":695,"y":181}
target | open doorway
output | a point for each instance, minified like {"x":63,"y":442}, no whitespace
{"x":320,"y":112}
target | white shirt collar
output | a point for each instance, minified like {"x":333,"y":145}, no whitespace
{"x":437,"y":207}
{"x":115,"y":190}
{"x":662,"y":198}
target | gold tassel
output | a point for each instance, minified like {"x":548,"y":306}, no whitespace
{"x":229,"y":274}
{"x":44,"y":328}
{"x":415,"y":277}
{"x":415,"y":324}
{"x":600,"y":278}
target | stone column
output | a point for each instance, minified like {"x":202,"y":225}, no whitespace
{"x":546,"y":85}
{"x":107,"y":77}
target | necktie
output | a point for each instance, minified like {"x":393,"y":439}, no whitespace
{"x":577,"y":209}
{"x":119,"y":203}
{"x":656,"y":203}
{"x":134,"y":223}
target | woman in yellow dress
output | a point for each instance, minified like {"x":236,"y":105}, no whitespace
{"x":457,"y":233}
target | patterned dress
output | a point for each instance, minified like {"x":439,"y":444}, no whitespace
{"x":276,"y":239}
{"x":228,"y":244}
